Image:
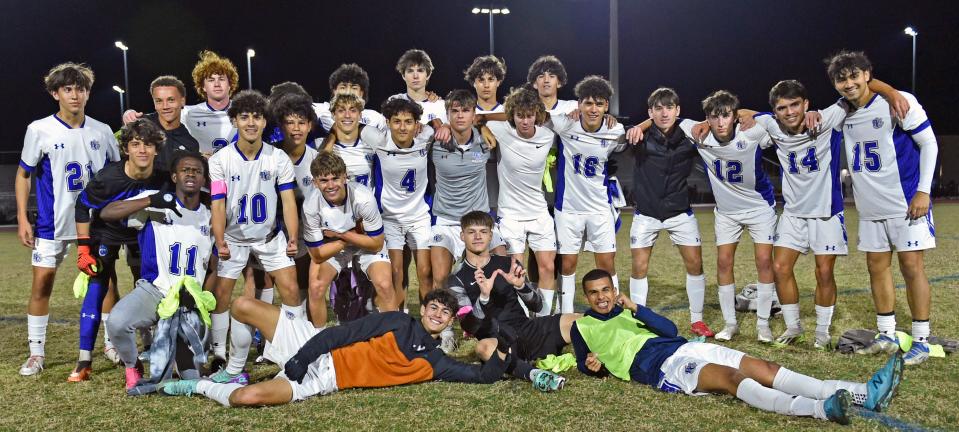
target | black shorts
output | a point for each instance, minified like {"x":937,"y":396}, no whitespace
{"x":539,"y":337}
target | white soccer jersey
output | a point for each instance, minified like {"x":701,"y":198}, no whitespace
{"x":431,"y":110}
{"x":211,"y":128}
{"x":319,"y":215}
{"x":883,"y":158}
{"x":520,"y":171}
{"x":400,"y":175}
{"x":325,"y":118}
{"x":302,"y":174}
{"x":172,"y":246}
{"x":358,"y":158}
{"x":251,"y":189}
{"x":735,"y":169}
{"x":810,"y":165}
{"x":496,"y":109}
{"x":581,"y":164}
{"x":64,"y":160}
{"x":563,"y":107}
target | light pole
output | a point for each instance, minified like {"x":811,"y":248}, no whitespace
{"x":249,"y":68}
{"x":121,"y":92}
{"x":490,"y":11}
{"x":126,"y":74}
{"x":913,"y":33}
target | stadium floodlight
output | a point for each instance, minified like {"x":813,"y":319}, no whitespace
{"x":490,"y":11}
{"x":913,"y":34}
{"x":126,"y":72}
{"x":249,"y":66}
{"x":120,"y":91}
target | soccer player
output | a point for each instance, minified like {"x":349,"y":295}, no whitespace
{"x":64,"y":151}
{"x":348,"y":79}
{"x":247,"y":182}
{"x":344,"y":138}
{"x":489,"y":289}
{"x":664,"y":159}
{"x":583,"y":206}
{"x":631,"y":342}
{"x":175,"y":240}
{"x":169,"y":98}
{"x":524,"y":218}
{"x":341,"y":222}
{"x":416,"y":68}
{"x":485,"y":74}
{"x":379,"y":350}
{"x":99,"y":241}
{"x":547,"y":75}
{"x":400,"y":181}
{"x":892,"y":162}
{"x":744,"y":201}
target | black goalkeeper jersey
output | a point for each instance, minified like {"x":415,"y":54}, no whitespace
{"x":108,"y":185}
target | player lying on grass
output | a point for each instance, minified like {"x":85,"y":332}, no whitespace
{"x":631,"y":342}
{"x":380,"y":350}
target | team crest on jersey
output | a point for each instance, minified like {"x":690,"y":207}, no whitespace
{"x":604,"y":143}
{"x":423,"y":153}
{"x":741,"y":144}
{"x":94,"y":144}
{"x":266,"y":175}
{"x":877,"y":123}
{"x":204,"y":230}
{"x":306,"y":180}
{"x":690,"y":368}
{"x":438,"y":237}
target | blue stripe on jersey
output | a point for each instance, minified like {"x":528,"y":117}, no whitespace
{"x":120,"y":196}
{"x":922,"y":126}
{"x":763,"y":185}
{"x":217,"y":197}
{"x":68,"y":126}
{"x":842,"y":224}
{"x":835,"y":153}
{"x":286,"y":186}
{"x":27,"y":168}
{"x":932,"y":227}
{"x":148,"y":253}
{"x":907,"y":159}
{"x":46,"y":225}
{"x":375,"y":233}
{"x":378,"y":181}
{"x":313,"y":244}
{"x":560,"y":174}
{"x":237,"y":147}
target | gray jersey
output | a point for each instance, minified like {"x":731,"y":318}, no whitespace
{"x":460,"y":179}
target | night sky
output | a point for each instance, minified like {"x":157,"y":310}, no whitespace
{"x":694,"y":46}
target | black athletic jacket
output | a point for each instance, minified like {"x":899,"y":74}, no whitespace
{"x":176,"y":139}
{"x":503,"y":305}
{"x":662,"y":166}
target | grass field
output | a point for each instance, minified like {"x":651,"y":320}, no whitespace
{"x":928,"y":397}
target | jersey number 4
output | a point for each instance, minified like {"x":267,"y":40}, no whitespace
{"x":866,"y":154}
{"x":175,"y":268}
{"x":733,"y":172}
{"x":74,"y":173}
{"x":257,"y":210}
{"x":809,"y":161}
{"x":409,"y":180}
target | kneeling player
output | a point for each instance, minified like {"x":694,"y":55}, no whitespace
{"x":341,"y":221}
{"x":643,"y":346}
{"x":379,"y":350}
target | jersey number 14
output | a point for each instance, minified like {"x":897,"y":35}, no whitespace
{"x":810,"y":161}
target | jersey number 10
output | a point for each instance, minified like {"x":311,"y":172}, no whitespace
{"x":257,"y":209}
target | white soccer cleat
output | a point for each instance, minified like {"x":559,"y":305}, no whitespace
{"x":728,"y":332}
{"x":112,"y":355}
{"x":764,"y":334}
{"x":32,"y":366}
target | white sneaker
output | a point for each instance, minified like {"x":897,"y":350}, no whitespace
{"x":764,"y":334}
{"x":728,"y":332}
{"x":32,"y":366}
{"x":111,"y":354}
{"x":448,"y":340}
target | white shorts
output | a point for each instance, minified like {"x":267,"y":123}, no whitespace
{"x":271,"y":255}
{"x":899,"y":234}
{"x":680,"y":372}
{"x":416,"y":235}
{"x":49,"y":253}
{"x":682,"y":228}
{"x":292,"y":332}
{"x":599,"y":229}
{"x":760,"y":222}
{"x":539,"y":232}
{"x":448,"y":237}
{"x":342,"y":259}
{"x":824,"y":236}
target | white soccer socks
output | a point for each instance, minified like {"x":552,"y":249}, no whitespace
{"x":767,"y":399}
{"x":216,"y":391}
{"x":696,"y":291}
{"x":764,"y":302}
{"x":220,"y":325}
{"x":824,"y":319}
{"x":791,"y":316}
{"x":727,"y":303}
{"x":547,"y":302}
{"x":240,"y":340}
{"x":798,"y":384}
{"x":37,"y":333}
{"x":568,"y":286}
{"x":638,"y":290}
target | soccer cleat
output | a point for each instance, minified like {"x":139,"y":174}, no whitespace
{"x":789,"y":337}
{"x":546,"y":381}
{"x":448,"y":340}
{"x":882,"y":386}
{"x":728,"y":332}
{"x":133,"y":375}
{"x":823,"y":342}
{"x":80,"y":375}
{"x":111,"y":354}
{"x":882,"y":344}
{"x":700,"y":328}
{"x":837,"y":407}
{"x":178,"y":387}
{"x":32,"y":366}
{"x":918,"y":354}
{"x":224,"y":377}
{"x":764,"y":334}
